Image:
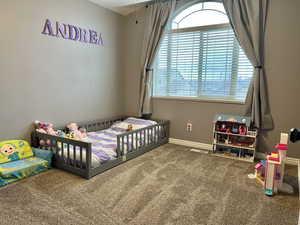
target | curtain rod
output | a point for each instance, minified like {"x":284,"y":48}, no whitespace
{"x":154,"y":1}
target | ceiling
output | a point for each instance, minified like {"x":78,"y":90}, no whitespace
{"x":123,"y":7}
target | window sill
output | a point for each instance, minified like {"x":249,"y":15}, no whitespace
{"x":194,"y":99}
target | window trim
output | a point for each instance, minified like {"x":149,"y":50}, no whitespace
{"x":183,"y":6}
{"x":169,"y":30}
{"x":198,"y":28}
{"x":177,"y":23}
{"x":202,"y":99}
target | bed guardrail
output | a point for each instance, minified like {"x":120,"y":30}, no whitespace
{"x":144,"y":138}
{"x":96,"y":125}
{"x":65,"y":152}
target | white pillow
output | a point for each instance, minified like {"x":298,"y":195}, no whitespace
{"x":135,"y":122}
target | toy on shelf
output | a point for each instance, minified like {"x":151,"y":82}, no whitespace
{"x":235,"y":128}
{"x":242,"y":130}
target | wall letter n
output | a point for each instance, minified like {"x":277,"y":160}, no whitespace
{"x":48,"y":28}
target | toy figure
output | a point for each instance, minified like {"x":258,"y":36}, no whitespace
{"x":74,"y":131}
{"x":60,"y":133}
{"x":234,"y":130}
{"x":223,"y":128}
{"x":242,"y":130}
{"x":129,"y":128}
{"x":226,"y":141}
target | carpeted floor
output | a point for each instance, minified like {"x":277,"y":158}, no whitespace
{"x":169,"y":185}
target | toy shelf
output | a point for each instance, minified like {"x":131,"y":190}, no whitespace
{"x":234,"y":138}
{"x":250,"y":136}
{"x":236,"y":146}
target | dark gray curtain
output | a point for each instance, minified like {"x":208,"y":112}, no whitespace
{"x":157,"y":18}
{"x":248,"y":20}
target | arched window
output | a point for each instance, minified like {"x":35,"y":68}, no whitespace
{"x":200,"y":57}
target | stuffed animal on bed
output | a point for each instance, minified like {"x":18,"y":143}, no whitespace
{"x":75,"y":132}
{"x":60,"y":133}
{"x":46,"y":128}
{"x":83,"y":132}
{"x":129,"y":128}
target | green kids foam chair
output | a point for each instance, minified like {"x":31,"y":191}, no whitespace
{"x":18,"y":160}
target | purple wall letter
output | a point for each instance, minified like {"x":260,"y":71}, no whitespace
{"x":83,"y":34}
{"x":100,"y":41}
{"x":72,"y":32}
{"x":61,"y":31}
{"x":93,"y":37}
{"x":48,"y":28}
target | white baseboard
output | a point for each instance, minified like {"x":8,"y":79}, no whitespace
{"x":191,"y":144}
{"x":208,"y":147}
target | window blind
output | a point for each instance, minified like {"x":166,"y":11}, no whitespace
{"x":202,"y":63}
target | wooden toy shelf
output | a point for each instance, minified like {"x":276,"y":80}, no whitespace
{"x":251,"y":136}
{"x":236,"y":146}
{"x":234,"y":138}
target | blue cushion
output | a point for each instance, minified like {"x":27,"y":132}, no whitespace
{"x":43,"y":154}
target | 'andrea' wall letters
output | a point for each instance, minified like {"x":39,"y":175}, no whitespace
{"x":72,"y":32}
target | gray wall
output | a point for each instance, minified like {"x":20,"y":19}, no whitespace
{"x":56,"y":80}
{"x":282,"y":68}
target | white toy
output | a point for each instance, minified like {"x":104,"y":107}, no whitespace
{"x":275,"y":167}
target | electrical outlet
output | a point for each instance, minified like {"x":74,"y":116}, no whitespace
{"x":189,"y":127}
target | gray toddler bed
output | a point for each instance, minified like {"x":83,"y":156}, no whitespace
{"x":83,"y":159}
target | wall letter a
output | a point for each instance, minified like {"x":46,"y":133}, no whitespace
{"x":48,"y":28}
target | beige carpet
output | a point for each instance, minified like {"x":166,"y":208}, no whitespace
{"x":169,"y":185}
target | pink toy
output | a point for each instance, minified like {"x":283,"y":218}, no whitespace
{"x":46,"y":128}
{"x":242,"y":130}
{"x":83,"y":132}
{"x":275,"y":166}
{"x":75,"y":132}
{"x":270,"y":172}
{"x":260,"y":171}
{"x":223,"y":128}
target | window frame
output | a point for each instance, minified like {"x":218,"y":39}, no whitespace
{"x":201,"y":98}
